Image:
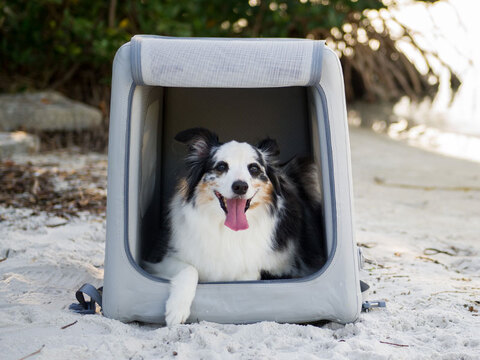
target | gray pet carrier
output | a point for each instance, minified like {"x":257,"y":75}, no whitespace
{"x":243,"y":89}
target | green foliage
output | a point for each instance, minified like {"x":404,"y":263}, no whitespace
{"x":44,"y":39}
{"x":51,"y":42}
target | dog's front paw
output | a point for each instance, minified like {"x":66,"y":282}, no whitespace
{"x":182,"y":291}
{"x":177,"y":312}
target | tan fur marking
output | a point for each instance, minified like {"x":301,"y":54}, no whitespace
{"x":182,"y":187}
{"x":254,"y":205}
{"x":264,"y":195}
{"x":202,"y":187}
{"x":205,"y":192}
{"x":268,"y":189}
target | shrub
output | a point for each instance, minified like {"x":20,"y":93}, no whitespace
{"x":70,"y":44}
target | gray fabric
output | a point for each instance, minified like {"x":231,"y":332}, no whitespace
{"x":227,"y":63}
{"x":331,"y":294}
{"x":317,"y":59}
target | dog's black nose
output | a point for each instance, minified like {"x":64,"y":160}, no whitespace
{"x":240,"y":187}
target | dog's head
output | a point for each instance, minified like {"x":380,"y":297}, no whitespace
{"x":231,"y":180}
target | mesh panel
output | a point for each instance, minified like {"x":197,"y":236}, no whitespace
{"x":227,"y":63}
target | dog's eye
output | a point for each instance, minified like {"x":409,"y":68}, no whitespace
{"x":221,"y":166}
{"x":254,"y":169}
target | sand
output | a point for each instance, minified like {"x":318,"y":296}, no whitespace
{"x":407,"y":201}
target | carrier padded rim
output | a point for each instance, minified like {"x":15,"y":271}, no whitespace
{"x":225,"y":62}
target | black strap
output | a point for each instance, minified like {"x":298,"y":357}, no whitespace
{"x":87,"y":307}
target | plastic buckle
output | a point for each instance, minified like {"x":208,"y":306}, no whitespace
{"x":368,"y":305}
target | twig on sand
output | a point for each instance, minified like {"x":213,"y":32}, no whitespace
{"x":34,"y":353}
{"x":390,"y":343}
{"x":373,"y":262}
{"x":6,"y":256}
{"x":68,"y":325}
{"x":433,"y":251}
{"x":432,"y":260}
{"x":450,"y":291}
{"x":366,"y":245}
{"x":381,"y":181}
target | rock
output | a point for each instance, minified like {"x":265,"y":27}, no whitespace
{"x":18,"y":142}
{"x":55,"y":221}
{"x":46,"y":111}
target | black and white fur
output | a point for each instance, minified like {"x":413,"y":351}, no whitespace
{"x":283,"y":212}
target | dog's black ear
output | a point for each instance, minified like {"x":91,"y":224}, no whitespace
{"x":199,"y":140}
{"x":269,"y":147}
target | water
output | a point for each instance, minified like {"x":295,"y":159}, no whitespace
{"x":450,"y":124}
{"x":450,"y":29}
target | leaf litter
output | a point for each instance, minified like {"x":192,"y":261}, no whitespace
{"x":45,"y":187}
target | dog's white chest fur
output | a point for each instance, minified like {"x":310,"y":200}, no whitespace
{"x":200,"y":238}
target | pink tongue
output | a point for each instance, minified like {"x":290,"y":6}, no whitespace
{"x":236,"y":218}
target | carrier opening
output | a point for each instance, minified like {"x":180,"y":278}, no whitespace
{"x":156,"y":161}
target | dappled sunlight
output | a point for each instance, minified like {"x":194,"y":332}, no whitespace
{"x":433,"y":139}
{"x":449,"y":123}
{"x":448,"y":29}
{"x":383,"y":119}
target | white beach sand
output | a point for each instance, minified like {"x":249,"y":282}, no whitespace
{"x":406,"y":200}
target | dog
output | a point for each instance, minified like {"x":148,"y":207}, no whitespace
{"x":239,"y":215}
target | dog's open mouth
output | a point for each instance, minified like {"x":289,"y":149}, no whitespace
{"x":235,"y":210}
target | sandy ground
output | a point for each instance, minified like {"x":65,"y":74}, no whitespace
{"x":417,"y":220}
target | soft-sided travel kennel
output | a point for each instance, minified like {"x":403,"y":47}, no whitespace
{"x":243,"y":89}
